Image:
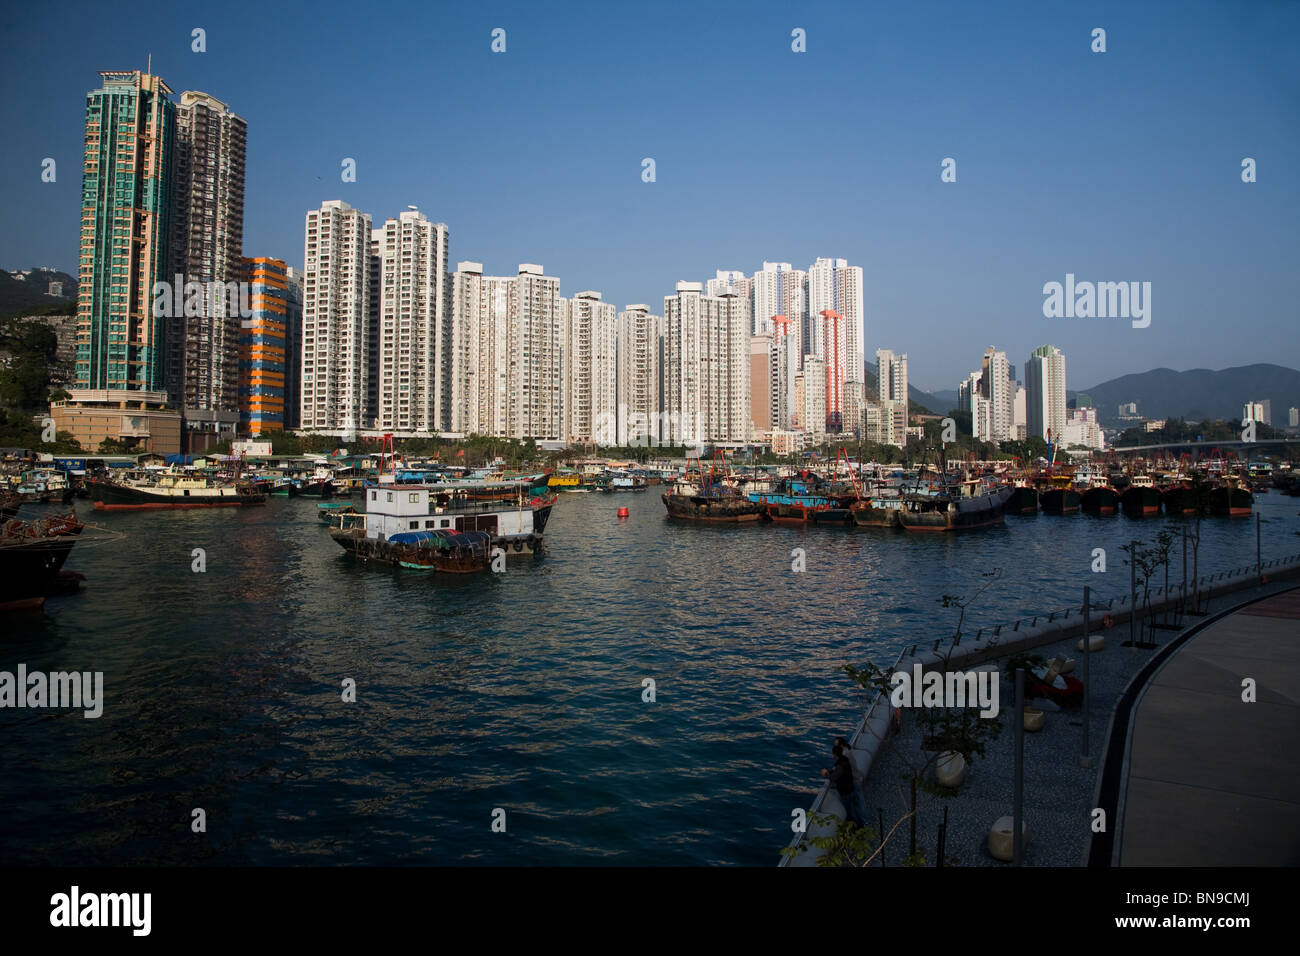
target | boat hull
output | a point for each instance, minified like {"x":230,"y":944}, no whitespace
{"x":1060,"y":501}
{"x":1140,"y":502}
{"x":1023,"y":501}
{"x":1233,"y":502}
{"x":111,"y":496}
{"x":1099,"y":501}
{"x":721,"y":509}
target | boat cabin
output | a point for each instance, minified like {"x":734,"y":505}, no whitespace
{"x":397,"y":509}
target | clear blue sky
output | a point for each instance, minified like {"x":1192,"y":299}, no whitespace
{"x":1116,"y":166}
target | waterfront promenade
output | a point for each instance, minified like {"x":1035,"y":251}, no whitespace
{"x":1195,"y":755}
{"x":1209,"y":779}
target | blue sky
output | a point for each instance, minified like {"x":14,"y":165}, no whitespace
{"x":1115,"y":166}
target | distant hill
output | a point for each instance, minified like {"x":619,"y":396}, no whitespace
{"x":947,"y":397}
{"x":914,"y":395}
{"x":1198,"y":393}
{"x":28,"y":292}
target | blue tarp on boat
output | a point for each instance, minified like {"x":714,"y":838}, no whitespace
{"x":420,"y":538}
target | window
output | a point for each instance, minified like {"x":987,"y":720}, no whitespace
{"x":415,"y":525}
{"x":415,"y":498}
{"x":390,"y":496}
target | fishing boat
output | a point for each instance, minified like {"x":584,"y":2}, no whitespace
{"x":1059,"y":496}
{"x":879,"y":509}
{"x":320,"y":484}
{"x":565,"y":480}
{"x":327,"y":512}
{"x":1096,"y":496}
{"x":171,"y":490}
{"x":1024,"y":497}
{"x":1230,"y":496}
{"x":32,"y":554}
{"x":395,"y":512}
{"x":954,"y":506}
{"x":1176,"y":496}
{"x":1140,"y":498}
{"x":625,"y":481}
{"x":708,"y":500}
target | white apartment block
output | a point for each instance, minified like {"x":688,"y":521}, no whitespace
{"x":413,"y":320}
{"x":1045,"y":392}
{"x":706,"y":365}
{"x":507,"y":348}
{"x":780,"y":289}
{"x":590,"y":376}
{"x":835,"y":286}
{"x":640,"y":377}
{"x":990,"y":396}
{"x":335,"y":312}
{"x":891,"y":383}
{"x":810,"y":386}
{"x":730,"y":281}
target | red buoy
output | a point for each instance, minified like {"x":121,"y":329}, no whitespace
{"x":622,"y":512}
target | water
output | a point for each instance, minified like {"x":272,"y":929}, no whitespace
{"x":520,"y":691}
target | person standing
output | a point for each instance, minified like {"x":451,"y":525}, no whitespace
{"x":841,"y":777}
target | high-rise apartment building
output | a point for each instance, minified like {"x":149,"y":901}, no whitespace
{"x":762,"y":389}
{"x":989,"y":394}
{"x":706,"y":362}
{"x":207,"y":237}
{"x":413,"y":325}
{"x":590,"y":375}
{"x":263,"y":347}
{"x":336,"y":324}
{"x":780,"y":289}
{"x":292,"y":348}
{"x":126,"y":202}
{"x":640,"y":376}
{"x":836,"y":324}
{"x":1045,"y":392}
{"x":731,"y":281}
{"x":891,"y":385}
{"x":507,"y":353}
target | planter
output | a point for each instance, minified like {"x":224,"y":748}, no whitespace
{"x":950,"y":769}
{"x":1033,"y":720}
{"x":1001,"y":839}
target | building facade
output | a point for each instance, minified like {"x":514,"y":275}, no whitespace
{"x":336,"y":323}
{"x":264,"y":357}
{"x":706,"y":364}
{"x":1045,"y":392}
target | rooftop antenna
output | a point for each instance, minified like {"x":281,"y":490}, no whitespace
{"x":149,"y":67}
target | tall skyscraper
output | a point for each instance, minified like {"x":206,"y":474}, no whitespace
{"x":263,"y":348}
{"x":126,"y":201}
{"x":414,"y":301}
{"x":207,"y":236}
{"x":336,"y":320}
{"x":1045,"y":392}
{"x":706,"y":361}
{"x":640,"y":376}
{"x":507,"y":353}
{"x":590,"y":374}
{"x":780,"y":289}
{"x":989,"y":394}
{"x":836,"y":287}
{"x":762,"y":390}
{"x":731,"y":281}
{"x":292,"y":348}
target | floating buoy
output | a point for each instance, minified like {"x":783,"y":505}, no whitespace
{"x":622,"y":512}
{"x":1108,"y":621}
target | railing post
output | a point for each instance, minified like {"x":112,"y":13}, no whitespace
{"x":1085,"y":759}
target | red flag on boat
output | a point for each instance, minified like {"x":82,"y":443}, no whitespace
{"x":461,"y":453}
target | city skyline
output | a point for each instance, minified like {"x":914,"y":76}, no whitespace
{"x":948,"y":267}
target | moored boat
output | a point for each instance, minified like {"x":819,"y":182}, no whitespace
{"x":32,"y":554}
{"x":1231,"y":497}
{"x":1060,"y":497}
{"x":171,"y":490}
{"x":1140,"y":498}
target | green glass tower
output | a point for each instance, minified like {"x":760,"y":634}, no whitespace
{"x":125,"y":204}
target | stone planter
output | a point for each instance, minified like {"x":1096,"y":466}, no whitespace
{"x":1033,"y":720}
{"x":1001,"y":838}
{"x":950,"y":769}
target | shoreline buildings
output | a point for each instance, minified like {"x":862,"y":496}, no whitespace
{"x":1045,"y":393}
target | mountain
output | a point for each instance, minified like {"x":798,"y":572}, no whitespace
{"x":947,"y":399}
{"x":1198,"y":393}
{"x":28,"y":292}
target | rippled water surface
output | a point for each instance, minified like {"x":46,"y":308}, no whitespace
{"x":521,"y":690}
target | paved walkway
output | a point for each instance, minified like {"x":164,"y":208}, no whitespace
{"x":1212,"y":780}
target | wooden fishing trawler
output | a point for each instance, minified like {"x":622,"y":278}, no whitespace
{"x":709,"y":501}
{"x":32,"y":554}
{"x":1140,"y":498}
{"x":879,"y":509}
{"x":1176,"y":495}
{"x":171,"y":490}
{"x":395,"y":512}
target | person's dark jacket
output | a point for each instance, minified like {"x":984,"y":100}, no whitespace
{"x":841,"y":777}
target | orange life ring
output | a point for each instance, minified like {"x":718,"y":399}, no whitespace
{"x":1108,"y":621}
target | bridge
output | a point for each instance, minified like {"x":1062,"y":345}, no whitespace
{"x":1259,"y":442}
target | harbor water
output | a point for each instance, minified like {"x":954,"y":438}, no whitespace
{"x":521,"y":691}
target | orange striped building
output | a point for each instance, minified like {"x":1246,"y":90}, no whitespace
{"x":264,"y":347}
